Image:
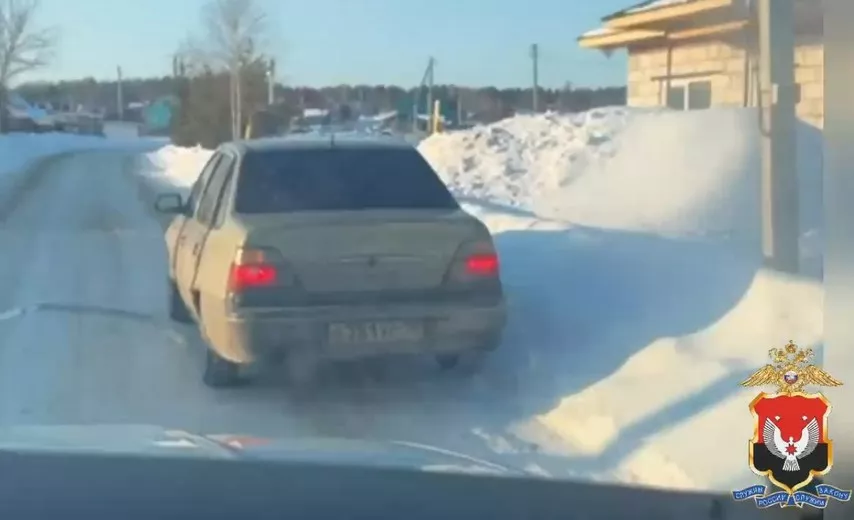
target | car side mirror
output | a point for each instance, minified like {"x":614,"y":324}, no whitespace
{"x":169,"y":203}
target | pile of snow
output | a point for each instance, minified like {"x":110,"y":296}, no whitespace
{"x":633,"y":315}
{"x":669,"y":173}
{"x":516,"y":161}
{"x":654,"y":4}
{"x":174,"y":168}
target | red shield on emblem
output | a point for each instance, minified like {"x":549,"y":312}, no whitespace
{"x":790,"y":444}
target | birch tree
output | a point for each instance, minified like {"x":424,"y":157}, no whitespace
{"x":24,"y":46}
{"x":233,"y":31}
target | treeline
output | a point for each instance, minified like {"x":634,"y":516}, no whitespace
{"x":484,"y":103}
{"x":218,"y":87}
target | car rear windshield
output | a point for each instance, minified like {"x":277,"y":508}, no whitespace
{"x":344,"y":179}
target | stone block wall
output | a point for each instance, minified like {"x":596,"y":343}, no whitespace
{"x":722,"y":63}
{"x":809,"y":74}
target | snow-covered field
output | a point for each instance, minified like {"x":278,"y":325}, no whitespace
{"x":638,"y":303}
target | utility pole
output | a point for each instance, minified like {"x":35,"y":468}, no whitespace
{"x":427,"y":79}
{"x":430,"y":82}
{"x":535,"y":59}
{"x":120,"y":104}
{"x":780,"y":211}
{"x":271,"y":82}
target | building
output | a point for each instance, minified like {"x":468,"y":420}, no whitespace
{"x":694,"y":54}
{"x":157,"y":115}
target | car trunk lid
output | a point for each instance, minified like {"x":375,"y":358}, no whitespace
{"x":366,"y":251}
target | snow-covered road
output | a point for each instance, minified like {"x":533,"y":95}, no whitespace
{"x":66,"y":248}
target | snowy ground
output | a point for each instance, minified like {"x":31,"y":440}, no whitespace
{"x":637,"y":304}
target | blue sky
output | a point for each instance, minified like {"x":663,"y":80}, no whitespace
{"x":327,"y":42}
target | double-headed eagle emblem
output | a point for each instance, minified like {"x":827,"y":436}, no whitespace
{"x":790,"y":444}
{"x":790,"y":370}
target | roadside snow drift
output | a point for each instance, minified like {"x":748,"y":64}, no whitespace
{"x":629,"y":252}
{"x":669,"y":173}
{"x":174,"y":168}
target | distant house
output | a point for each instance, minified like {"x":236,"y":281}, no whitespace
{"x":694,"y":54}
{"x":24,"y":116}
{"x":315,"y":117}
{"x":157,"y":115}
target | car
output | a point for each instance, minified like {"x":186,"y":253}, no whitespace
{"x":311,"y":248}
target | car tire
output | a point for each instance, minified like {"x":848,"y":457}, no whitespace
{"x":220,"y":372}
{"x":177,"y":310}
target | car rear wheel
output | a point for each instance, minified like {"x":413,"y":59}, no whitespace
{"x":177,"y":310}
{"x":220,"y":372}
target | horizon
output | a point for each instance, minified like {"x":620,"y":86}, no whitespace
{"x":320,"y":87}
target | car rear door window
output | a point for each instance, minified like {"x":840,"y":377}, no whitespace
{"x":343,"y":179}
{"x":202,"y":182}
{"x":213,"y":192}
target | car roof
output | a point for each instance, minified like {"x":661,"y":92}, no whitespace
{"x":311,"y":141}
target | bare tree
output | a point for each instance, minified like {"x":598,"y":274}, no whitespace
{"x":23,"y":46}
{"x":233,"y":32}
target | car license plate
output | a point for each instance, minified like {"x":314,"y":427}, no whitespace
{"x":375,"y":332}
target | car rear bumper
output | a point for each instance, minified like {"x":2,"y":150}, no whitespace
{"x":448,"y":328}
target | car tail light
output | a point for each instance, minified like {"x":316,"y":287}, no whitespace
{"x":482,"y":264}
{"x":253,"y":268}
{"x":474,"y":261}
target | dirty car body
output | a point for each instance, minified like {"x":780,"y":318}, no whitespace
{"x":319,"y":247}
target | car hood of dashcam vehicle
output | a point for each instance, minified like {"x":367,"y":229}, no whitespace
{"x":157,"y":441}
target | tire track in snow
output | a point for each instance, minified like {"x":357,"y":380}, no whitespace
{"x":27,"y":240}
{"x":72,"y":242}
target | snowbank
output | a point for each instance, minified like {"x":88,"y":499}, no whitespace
{"x":669,"y":173}
{"x":674,"y":174}
{"x":633,"y":315}
{"x":516,"y":161}
{"x":173,"y":168}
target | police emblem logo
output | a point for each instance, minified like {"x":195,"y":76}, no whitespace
{"x":790,"y":444}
